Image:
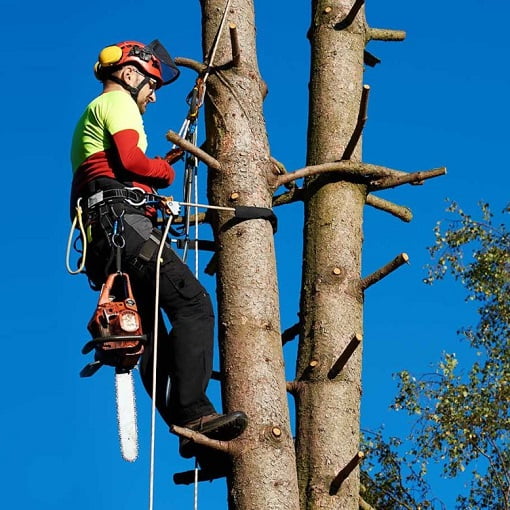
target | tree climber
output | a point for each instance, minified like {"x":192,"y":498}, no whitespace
{"x":108,"y":161}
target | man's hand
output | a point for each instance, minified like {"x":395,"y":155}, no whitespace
{"x":174,"y":155}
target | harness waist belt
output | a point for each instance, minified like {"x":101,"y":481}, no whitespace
{"x":133,"y":196}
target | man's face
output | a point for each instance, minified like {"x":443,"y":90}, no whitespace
{"x":133,"y":77}
{"x":147,"y":94}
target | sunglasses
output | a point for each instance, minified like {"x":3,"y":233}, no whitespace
{"x":153,"y":84}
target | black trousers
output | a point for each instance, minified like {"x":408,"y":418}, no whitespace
{"x":184,"y":356}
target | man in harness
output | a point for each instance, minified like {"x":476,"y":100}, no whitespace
{"x":117,"y":185}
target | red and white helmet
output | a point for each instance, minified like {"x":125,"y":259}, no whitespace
{"x":153,"y":60}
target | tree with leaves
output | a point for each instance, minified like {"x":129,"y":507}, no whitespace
{"x":463,"y":408}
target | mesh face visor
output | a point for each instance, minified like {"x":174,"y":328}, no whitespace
{"x":169,"y":71}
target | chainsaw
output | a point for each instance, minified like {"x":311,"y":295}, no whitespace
{"x":118,"y":341}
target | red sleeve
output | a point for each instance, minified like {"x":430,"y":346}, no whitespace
{"x":156,"y":172}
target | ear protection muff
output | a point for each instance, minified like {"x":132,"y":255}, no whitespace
{"x":110,"y":56}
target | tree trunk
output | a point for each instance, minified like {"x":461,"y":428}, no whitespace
{"x":264,"y":468}
{"x":332,"y":298}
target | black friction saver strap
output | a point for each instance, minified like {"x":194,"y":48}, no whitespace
{"x":246,"y":212}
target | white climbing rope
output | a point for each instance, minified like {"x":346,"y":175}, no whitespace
{"x":155,"y":362}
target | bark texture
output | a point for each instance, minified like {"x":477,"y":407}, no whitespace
{"x":332,"y":298}
{"x":264,"y":471}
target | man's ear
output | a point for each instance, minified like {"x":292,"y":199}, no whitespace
{"x":126,"y":73}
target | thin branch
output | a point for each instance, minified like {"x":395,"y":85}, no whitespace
{"x":200,"y":439}
{"x":360,"y":124}
{"x":501,"y":457}
{"x":493,"y":464}
{"x":234,"y":42}
{"x":289,"y":197}
{"x":385,"y":34}
{"x":402,"y":212}
{"x":390,"y":495}
{"x":347,"y":168}
{"x":378,"y":275}
{"x":189,"y":63}
{"x":172,"y":136}
{"x":412,"y":178}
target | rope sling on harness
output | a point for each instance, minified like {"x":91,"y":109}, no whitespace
{"x":77,"y":223}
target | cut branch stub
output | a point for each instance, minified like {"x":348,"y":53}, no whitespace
{"x":291,"y":333}
{"x":294,"y":387}
{"x":173,"y":137}
{"x":188,"y":477}
{"x":189,"y":63}
{"x":309,"y":370}
{"x":399,"y":211}
{"x":345,"y":356}
{"x":370,"y":60}
{"x":347,"y":21}
{"x":197,"y":437}
{"x":413,"y":178}
{"x":385,"y":34}
{"x":360,"y":124}
{"x":344,"y":473}
{"x":378,"y":275}
{"x":273,"y":434}
{"x":289,"y":197}
{"x":377,"y":176}
{"x":234,"y":41}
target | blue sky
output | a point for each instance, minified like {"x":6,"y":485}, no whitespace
{"x":437,"y":99}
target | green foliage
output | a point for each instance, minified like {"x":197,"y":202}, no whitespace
{"x":388,"y":482}
{"x":462,"y":410}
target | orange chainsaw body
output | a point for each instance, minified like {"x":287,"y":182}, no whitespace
{"x":116,"y":325}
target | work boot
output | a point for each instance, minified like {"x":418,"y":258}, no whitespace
{"x":222,"y":427}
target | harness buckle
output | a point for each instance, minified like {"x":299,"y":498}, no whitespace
{"x":136,"y":196}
